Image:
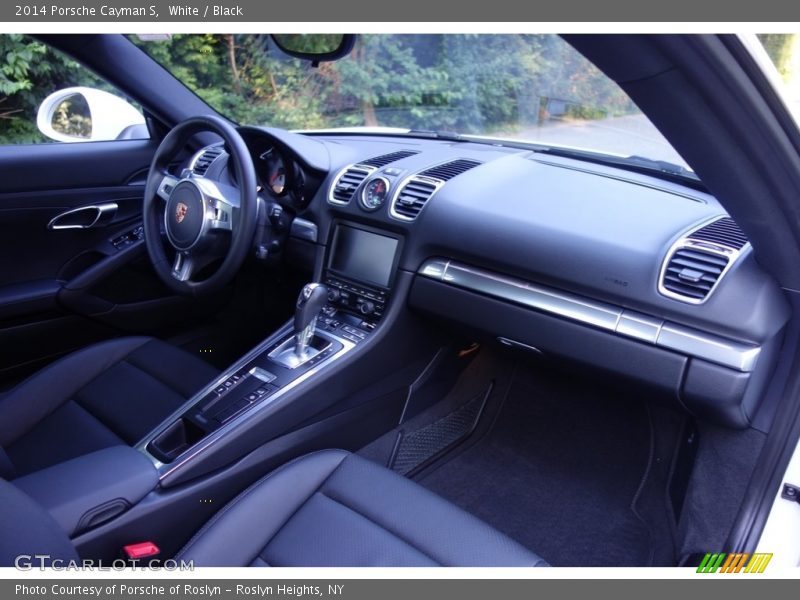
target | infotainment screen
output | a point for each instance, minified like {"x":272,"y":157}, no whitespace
{"x":362,"y":255}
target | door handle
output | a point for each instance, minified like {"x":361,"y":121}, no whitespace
{"x":85,"y":217}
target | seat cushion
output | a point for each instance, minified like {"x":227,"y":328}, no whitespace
{"x":336,"y":509}
{"x":108,"y":394}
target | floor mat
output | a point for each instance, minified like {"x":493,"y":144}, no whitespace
{"x":558,"y":471}
{"x":417,"y":448}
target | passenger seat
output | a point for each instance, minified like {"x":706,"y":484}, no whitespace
{"x":326,"y":509}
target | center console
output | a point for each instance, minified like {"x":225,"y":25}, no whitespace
{"x":332,"y":318}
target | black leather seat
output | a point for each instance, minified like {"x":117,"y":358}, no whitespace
{"x":105,"y":395}
{"x":330,"y":508}
{"x":336,"y":509}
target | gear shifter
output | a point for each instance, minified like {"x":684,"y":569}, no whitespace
{"x":311,"y":300}
{"x":301,"y":346}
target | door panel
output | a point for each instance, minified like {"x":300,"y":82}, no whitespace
{"x":42,"y":167}
{"x":61,"y":289}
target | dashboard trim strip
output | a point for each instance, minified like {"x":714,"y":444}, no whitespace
{"x":608,"y":317}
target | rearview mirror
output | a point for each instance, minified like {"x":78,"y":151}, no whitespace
{"x":316,"y":47}
{"x":82,"y":114}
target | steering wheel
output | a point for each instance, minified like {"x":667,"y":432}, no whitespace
{"x":204,"y":220}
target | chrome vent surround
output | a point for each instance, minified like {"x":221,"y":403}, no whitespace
{"x":205,"y":157}
{"x":413,"y":193}
{"x":697,"y":262}
{"x":348,"y":180}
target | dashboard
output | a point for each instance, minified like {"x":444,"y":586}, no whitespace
{"x":626,"y":273}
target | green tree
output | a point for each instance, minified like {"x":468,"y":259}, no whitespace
{"x":29,"y":72}
{"x":779,"y":47}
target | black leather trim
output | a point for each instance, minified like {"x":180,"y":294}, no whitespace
{"x":332,"y":508}
{"x":43,"y":392}
{"x":28,"y":529}
{"x":107,"y":394}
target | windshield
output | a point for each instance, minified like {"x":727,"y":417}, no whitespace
{"x":533,"y":88}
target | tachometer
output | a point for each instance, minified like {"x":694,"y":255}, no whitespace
{"x":374,"y":194}
{"x":274,"y":171}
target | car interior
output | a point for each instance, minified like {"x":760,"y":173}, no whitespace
{"x":259,"y":347}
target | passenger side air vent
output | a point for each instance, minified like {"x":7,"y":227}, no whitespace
{"x":723,"y":231}
{"x":449,"y":170}
{"x":207,"y":156}
{"x":412,"y":198}
{"x":693,"y":273}
{"x":346,"y":184}
{"x":697,"y":262}
{"x":385,"y":159}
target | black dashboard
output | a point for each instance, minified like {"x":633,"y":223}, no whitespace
{"x":628,"y":273}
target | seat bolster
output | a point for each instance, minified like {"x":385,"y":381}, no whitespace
{"x":236,"y":535}
{"x":42,"y":393}
{"x":28,"y":529}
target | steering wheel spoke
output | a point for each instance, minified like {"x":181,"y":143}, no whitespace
{"x":168,"y":183}
{"x":183,"y":267}
{"x":223,"y":216}
{"x":223,"y":201}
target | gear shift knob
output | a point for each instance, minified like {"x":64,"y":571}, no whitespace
{"x":312,"y":298}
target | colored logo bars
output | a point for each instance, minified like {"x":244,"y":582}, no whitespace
{"x":734,"y":563}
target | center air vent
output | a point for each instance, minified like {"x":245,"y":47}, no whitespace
{"x":204,"y":160}
{"x":413,"y":196}
{"x":698,"y":261}
{"x":346,"y":184}
{"x":418,"y":189}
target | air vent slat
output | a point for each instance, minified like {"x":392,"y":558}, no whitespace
{"x":385,"y":159}
{"x":345,"y":187}
{"x":449,"y":170}
{"x":703,"y":257}
{"x":723,"y":231}
{"x":693,"y":273}
{"x":204,"y":161}
{"x":412,"y":198}
{"x":691,"y":264}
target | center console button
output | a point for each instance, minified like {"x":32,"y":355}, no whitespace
{"x":263,"y":374}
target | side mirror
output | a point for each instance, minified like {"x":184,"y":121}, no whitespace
{"x":80,"y":114}
{"x":316,"y":47}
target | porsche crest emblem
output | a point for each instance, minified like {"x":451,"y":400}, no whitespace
{"x":180,"y":212}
